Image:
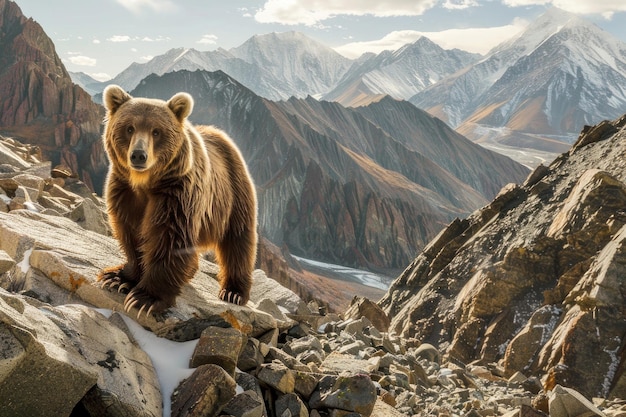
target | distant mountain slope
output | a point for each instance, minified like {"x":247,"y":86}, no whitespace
{"x":400,"y":74}
{"x":332,"y":184}
{"x":560,"y":74}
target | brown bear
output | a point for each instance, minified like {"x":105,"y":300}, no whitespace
{"x":173,"y":190}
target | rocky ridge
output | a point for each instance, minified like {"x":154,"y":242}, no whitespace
{"x":275,"y":357}
{"x":534,"y":281}
{"x":40,"y":104}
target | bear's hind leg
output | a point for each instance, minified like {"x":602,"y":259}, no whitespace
{"x":236,"y":254}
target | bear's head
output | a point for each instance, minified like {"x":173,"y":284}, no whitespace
{"x":145,"y":137}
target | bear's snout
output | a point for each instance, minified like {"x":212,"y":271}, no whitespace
{"x":139,"y":154}
{"x":138,"y":158}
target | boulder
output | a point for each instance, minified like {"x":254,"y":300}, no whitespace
{"x":57,"y":358}
{"x":205,"y":393}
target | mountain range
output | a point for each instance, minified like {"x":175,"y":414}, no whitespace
{"x":538,"y":89}
{"x":362,"y":186}
{"x":527,"y":98}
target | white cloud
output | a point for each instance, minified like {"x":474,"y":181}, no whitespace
{"x":96,"y":41}
{"x":119,"y":38}
{"x":605,"y":8}
{"x":100,"y":76}
{"x":477,"y":40}
{"x":82,"y":60}
{"x":311,"y":12}
{"x":459,"y":4}
{"x":208,"y":40}
{"x":159,"y":6}
{"x":146,"y":58}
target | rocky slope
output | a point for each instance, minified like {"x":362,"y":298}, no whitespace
{"x":210,"y":358}
{"x":534,"y":280}
{"x":347,"y":186}
{"x":40,"y":104}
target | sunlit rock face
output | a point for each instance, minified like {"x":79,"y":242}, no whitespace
{"x":534,"y":279}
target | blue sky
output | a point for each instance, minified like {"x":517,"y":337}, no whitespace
{"x":103,"y":37}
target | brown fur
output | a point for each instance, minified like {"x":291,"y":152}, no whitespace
{"x":172,"y":191}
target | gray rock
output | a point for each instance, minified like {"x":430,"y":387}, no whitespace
{"x":277,"y":376}
{"x":91,"y":217}
{"x":292,"y":405}
{"x":250,"y":357}
{"x":205,"y":393}
{"x":219,"y":346}
{"x":245,"y":404}
{"x":567,"y":402}
{"x":354,"y":394}
{"x":6,"y":262}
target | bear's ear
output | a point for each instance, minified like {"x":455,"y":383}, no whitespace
{"x":181,"y":105}
{"x":114,"y":96}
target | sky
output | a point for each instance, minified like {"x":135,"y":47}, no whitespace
{"x":103,"y":37}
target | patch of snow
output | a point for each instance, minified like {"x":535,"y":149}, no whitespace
{"x":31,"y":207}
{"x":25,"y":263}
{"x":615,"y":361}
{"x":170,"y":359}
{"x":366,"y":278}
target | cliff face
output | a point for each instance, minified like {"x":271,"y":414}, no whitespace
{"x":40,"y":105}
{"x":536,"y":279}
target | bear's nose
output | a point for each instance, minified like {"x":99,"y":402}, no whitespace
{"x":138,"y":157}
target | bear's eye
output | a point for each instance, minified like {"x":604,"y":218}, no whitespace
{"x":156,"y":133}
{"x":130,"y":130}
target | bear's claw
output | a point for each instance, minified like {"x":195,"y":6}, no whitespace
{"x":147,"y":304}
{"x":111,"y":279}
{"x":231,"y":297}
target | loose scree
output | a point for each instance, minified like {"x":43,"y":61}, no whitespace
{"x":172,"y":191}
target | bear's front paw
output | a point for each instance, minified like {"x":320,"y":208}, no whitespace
{"x":231,"y":297}
{"x":112,"y":278}
{"x":140,"y":299}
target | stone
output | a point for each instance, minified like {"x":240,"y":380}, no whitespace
{"x":566,"y":402}
{"x":292,"y":405}
{"x":305,"y":383}
{"x":6,"y":262}
{"x":31,"y":182}
{"x":363,"y":307}
{"x":89,"y":216}
{"x":219,"y":346}
{"x":205,"y":393}
{"x":289,"y":361}
{"x":428,"y":352}
{"x":250,"y":357}
{"x":349,"y":393}
{"x":277,"y":376}
{"x":245,"y":404}
{"x":337,"y":363}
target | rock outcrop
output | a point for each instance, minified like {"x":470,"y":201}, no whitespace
{"x":534,"y":281}
{"x":39,"y":103}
